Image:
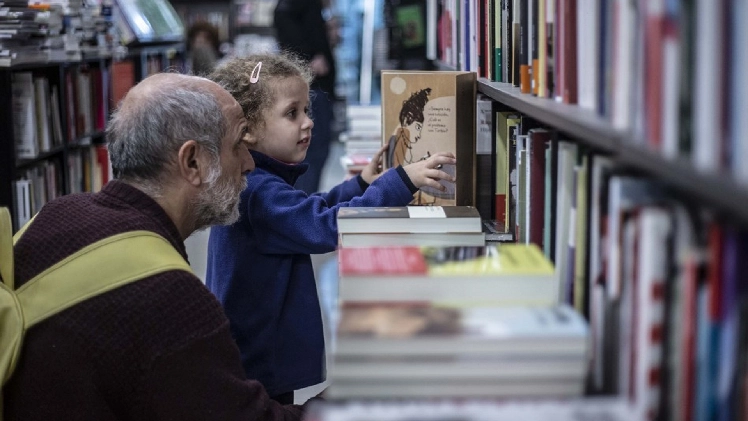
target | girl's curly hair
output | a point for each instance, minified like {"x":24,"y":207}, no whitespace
{"x":235,"y":74}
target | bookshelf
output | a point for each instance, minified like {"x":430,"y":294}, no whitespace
{"x":634,"y":113}
{"x":65,"y":159}
{"x":719,"y":192}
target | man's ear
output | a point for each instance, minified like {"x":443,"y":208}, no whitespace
{"x":250,"y":139}
{"x":190,"y":163}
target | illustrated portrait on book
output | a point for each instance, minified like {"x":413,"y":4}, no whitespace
{"x":423,"y":125}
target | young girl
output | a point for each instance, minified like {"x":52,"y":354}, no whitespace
{"x":260,"y":268}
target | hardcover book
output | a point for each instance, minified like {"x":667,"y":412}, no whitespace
{"x":424,"y":112}
{"x":412,"y":239}
{"x":409,"y":219}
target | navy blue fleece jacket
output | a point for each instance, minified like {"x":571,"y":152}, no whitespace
{"x":261,"y":270}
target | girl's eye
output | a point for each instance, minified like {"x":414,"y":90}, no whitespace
{"x":292,"y":113}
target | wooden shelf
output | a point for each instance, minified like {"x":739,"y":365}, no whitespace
{"x":716,"y":191}
{"x":41,"y":157}
{"x":583,"y":125}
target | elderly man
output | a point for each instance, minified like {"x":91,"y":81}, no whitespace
{"x":158,"y":348}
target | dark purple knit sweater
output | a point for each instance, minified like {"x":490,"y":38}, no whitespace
{"x":156,"y":349}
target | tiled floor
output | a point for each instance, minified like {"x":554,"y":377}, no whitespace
{"x":331,"y":176}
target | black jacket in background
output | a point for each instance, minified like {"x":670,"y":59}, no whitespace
{"x":300,"y":28}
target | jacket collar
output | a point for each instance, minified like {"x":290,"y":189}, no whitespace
{"x":288,"y":172}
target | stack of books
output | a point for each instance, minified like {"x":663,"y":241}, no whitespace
{"x":410,"y":226}
{"x":428,"y":350}
{"x":362,"y":137}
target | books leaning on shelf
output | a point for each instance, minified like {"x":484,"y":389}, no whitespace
{"x":425,"y":112}
{"x":500,"y":274}
{"x":409,"y":350}
{"x":410,"y":226}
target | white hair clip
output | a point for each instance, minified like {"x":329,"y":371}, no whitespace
{"x":255,"y":76}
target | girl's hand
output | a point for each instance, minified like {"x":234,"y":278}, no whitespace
{"x":428,"y":172}
{"x":373,"y":169}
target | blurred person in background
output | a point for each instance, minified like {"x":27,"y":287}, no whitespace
{"x":302,"y":29}
{"x":203,"y":48}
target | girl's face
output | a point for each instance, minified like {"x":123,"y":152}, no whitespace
{"x":287,"y":129}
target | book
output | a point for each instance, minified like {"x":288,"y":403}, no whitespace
{"x":434,"y":239}
{"x":426,"y":330}
{"x":409,"y":219}
{"x":495,"y":273}
{"x":425,"y":112}
{"x":457,"y":367}
{"x":562,"y":388}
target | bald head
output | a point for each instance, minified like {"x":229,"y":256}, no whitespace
{"x":156,"y":117}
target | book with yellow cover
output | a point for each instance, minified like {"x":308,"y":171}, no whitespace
{"x":494,"y":273}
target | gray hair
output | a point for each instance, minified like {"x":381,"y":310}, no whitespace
{"x":145,"y":134}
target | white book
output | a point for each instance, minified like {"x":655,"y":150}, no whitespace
{"x":431,"y":26}
{"x":413,"y":239}
{"x":43,"y":115}
{"x":23,"y":202}
{"x":623,"y":64}
{"x":484,"y":123}
{"x":588,"y":51}
{"x":409,"y":219}
{"x":708,"y":76}
{"x":739,"y":89}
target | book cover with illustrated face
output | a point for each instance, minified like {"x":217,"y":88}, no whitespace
{"x":399,"y":321}
{"x":428,"y":112}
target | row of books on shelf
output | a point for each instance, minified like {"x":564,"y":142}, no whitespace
{"x":656,"y":276}
{"x":666,"y":73}
{"x":88,"y":169}
{"x":48,"y":113}
{"x":40,"y":32}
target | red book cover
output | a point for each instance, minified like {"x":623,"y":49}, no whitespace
{"x":569,"y":51}
{"x":653,"y":77}
{"x":382,"y":260}
{"x":538,"y":139}
{"x":123,"y":78}
{"x":102,"y":156}
{"x":688,"y":364}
